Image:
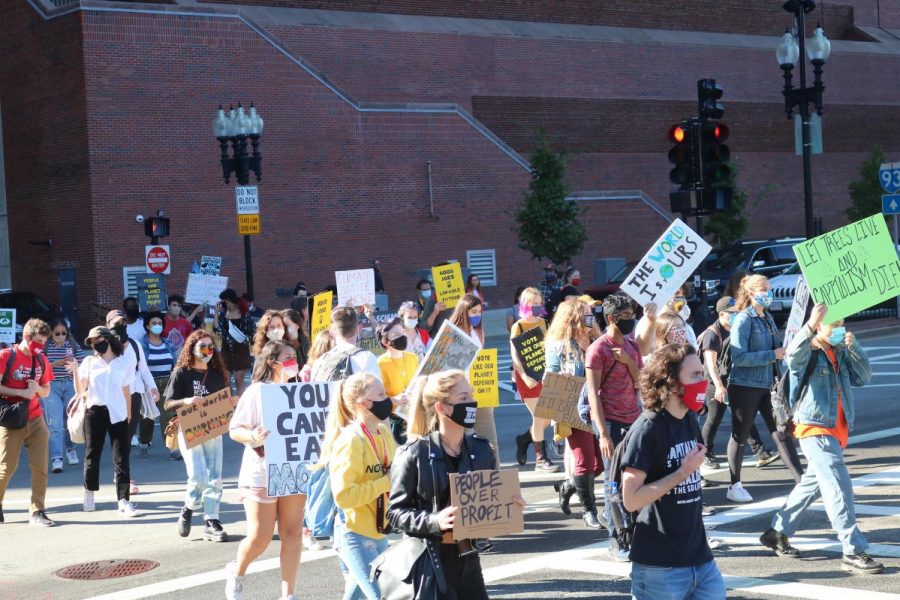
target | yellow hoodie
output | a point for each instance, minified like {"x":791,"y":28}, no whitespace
{"x":357,"y":479}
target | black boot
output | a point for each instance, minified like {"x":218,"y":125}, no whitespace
{"x":523,"y":441}
{"x":541,"y":462}
{"x":184,"y":522}
{"x":584,"y":484}
{"x":566,"y":489}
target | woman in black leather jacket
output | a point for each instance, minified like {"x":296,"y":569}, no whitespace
{"x":442,"y":412}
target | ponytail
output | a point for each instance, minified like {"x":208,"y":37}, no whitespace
{"x":428,"y":390}
{"x":342,"y":408}
{"x":748,"y":285}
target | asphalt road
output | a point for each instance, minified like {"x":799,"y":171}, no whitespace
{"x":556,"y":555}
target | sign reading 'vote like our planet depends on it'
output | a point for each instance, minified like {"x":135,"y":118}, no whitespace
{"x":851,"y":268}
{"x":485,"y":379}
{"x":667,"y":265}
{"x":530,"y":348}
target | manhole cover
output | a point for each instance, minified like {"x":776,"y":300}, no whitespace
{"x":106,"y":569}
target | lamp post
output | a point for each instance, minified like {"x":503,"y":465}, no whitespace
{"x":237,"y":127}
{"x":791,"y":55}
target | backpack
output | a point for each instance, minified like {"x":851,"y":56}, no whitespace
{"x":14,"y":413}
{"x":723,"y":359}
{"x":334,"y":365}
{"x":321,"y":508}
{"x":781,"y":395}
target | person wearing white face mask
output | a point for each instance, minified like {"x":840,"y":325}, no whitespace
{"x":418,"y":338}
{"x":276,"y":363}
{"x":270,"y":329}
{"x":296,"y":332}
{"x":199,"y":372}
{"x":161,"y":355}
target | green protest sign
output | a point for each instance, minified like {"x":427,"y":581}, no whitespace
{"x":852,"y":268}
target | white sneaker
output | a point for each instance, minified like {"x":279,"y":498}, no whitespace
{"x":234,"y":583}
{"x":56,"y":465}
{"x":737,"y":493}
{"x":134,"y":441}
{"x":310,"y":543}
{"x":88,"y":503}
{"x":72,"y":457}
{"x":129,"y":509}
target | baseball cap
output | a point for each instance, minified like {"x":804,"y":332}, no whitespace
{"x":95,"y":332}
{"x":726,"y":304}
{"x":113,"y":315}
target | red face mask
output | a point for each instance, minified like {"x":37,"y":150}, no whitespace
{"x":35,"y":347}
{"x":694,"y":396}
{"x":576,"y":281}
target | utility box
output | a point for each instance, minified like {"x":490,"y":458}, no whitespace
{"x":605,"y":268}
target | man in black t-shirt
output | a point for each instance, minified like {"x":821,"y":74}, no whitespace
{"x":711,"y":342}
{"x":661,"y":481}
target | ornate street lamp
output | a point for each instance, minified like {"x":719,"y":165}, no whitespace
{"x":237,"y":127}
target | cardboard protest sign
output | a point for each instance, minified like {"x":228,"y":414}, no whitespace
{"x":207,"y":419}
{"x":210,"y":265}
{"x":450,"y":349}
{"x":355,"y":288}
{"x":204,"y":289}
{"x":8,"y":326}
{"x":559,"y":400}
{"x":530,"y":348}
{"x":798,"y":311}
{"x":448,"y":284}
{"x":851,"y":268}
{"x":485,"y":379}
{"x":485,"y":503}
{"x":667,"y":265}
{"x":321,"y":313}
{"x":151,"y":289}
{"x":295,"y":415}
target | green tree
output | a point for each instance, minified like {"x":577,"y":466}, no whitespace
{"x":865,"y":192}
{"x":548,"y":223}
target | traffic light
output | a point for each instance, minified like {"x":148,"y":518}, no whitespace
{"x":715,"y":154}
{"x":156,"y":227}
{"x":682,"y":155}
{"x":708,"y":94}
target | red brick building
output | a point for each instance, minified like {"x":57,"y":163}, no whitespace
{"x":107,"y":110}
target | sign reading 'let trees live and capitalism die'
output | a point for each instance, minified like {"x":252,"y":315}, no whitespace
{"x":851,"y":268}
{"x":667,"y":265}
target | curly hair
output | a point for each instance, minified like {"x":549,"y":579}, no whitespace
{"x":659,"y":377}
{"x":186,"y":358}
{"x":259,"y":338}
{"x":568,"y":324}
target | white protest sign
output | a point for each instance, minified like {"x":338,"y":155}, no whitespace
{"x":8,"y":326}
{"x":798,"y":311}
{"x":355,"y":288}
{"x":667,"y":265}
{"x":294,"y":414}
{"x":204,"y":289}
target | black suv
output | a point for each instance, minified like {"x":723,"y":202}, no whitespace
{"x":28,"y":306}
{"x":767,"y":257}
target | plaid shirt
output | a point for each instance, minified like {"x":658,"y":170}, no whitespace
{"x":547,"y":290}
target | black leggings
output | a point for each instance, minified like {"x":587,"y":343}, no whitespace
{"x":463,"y":575}
{"x":745,"y":403}
{"x":714,"y":415}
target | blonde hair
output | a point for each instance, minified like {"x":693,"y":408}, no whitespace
{"x":428,"y":390}
{"x":343,"y":407}
{"x":749,"y":284}
{"x":323,"y":343}
{"x":568,"y":323}
{"x":532,"y":296}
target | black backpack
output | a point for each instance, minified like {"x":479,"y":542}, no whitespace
{"x":781,"y":395}
{"x":14,"y":413}
{"x":723,"y":359}
{"x":334,"y":365}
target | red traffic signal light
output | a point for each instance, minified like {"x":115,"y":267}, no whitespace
{"x":156,"y":227}
{"x":682,"y":155}
{"x":677,"y":134}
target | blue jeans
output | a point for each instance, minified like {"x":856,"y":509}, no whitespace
{"x":355,"y":552}
{"x":677,"y":583}
{"x":617,"y":433}
{"x":827,"y":476}
{"x":54,"y":407}
{"x":203,"y":464}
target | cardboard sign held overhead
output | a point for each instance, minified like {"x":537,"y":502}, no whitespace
{"x":450,"y":349}
{"x":559,"y":400}
{"x":321,"y":315}
{"x":207,"y":419}
{"x":851,"y":268}
{"x":485,"y":379}
{"x":448,"y":284}
{"x":355,"y":288}
{"x":295,"y":415}
{"x":485,"y":503}
{"x":667,"y":265}
{"x":530,"y":348}
{"x":798,"y":311}
{"x":204,"y":289}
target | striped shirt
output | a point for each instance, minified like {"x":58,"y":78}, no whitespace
{"x":159,"y":360}
{"x":54,"y":353}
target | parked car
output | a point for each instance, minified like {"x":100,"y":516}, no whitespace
{"x":784,"y":287}
{"x":769,"y":257}
{"x":28,"y":306}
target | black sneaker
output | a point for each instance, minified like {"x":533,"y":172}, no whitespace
{"x":778,"y":543}
{"x":710,"y":463}
{"x":523,"y":441}
{"x":214,"y":531}
{"x":764,"y":457}
{"x":39,"y":518}
{"x":1,"y":514}
{"x":184,"y":522}
{"x":861,"y":563}
{"x":590,"y":519}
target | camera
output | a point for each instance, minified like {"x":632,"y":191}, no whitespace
{"x":139,"y":218}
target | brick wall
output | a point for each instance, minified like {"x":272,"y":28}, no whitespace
{"x":726,"y":16}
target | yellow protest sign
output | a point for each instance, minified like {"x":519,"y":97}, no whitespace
{"x":485,"y":379}
{"x":448,"y":284}
{"x":321,"y":315}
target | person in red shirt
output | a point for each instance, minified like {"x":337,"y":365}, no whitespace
{"x":27,"y":379}
{"x":176,"y":321}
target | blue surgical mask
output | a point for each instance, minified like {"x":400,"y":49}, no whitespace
{"x":426,"y":294}
{"x":475,"y":321}
{"x":410,"y":323}
{"x":156,"y":329}
{"x":837,"y":335}
{"x":731,"y":317}
{"x":764,"y":298}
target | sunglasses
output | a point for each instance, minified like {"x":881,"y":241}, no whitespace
{"x":59,"y":334}
{"x":205,"y":346}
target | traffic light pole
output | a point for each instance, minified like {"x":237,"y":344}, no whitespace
{"x":248,"y":265}
{"x":805,"y":133}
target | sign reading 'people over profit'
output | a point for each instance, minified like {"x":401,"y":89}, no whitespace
{"x":486,"y":504}
{"x":667,"y":265}
{"x":851,"y":268}
{"x":294,"y":414}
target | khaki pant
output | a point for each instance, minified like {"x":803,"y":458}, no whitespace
{"x":35,"y":437}
{"x":485,"y":428}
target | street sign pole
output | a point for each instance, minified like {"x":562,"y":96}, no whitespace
{"x":247,"y":198}
{"x":248,"y":265}
{"x":889,"y":177}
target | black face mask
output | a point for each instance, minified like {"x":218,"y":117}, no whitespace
{"x":382,"y":409}
{"x":101,"y":347}
{"x":399,"y":343}
{"x":133,"y":312}
{"x":549,"y":276}
{"x":464,"y":414}
{"x":121,"y":332}
{"x":626,"y":326}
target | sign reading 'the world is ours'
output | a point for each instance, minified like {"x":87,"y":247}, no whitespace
{"x":667,"y":265}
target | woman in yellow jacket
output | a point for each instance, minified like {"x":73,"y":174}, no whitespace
{"x":360,"y":449}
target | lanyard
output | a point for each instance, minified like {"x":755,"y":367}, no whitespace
{"x":365,"y":430}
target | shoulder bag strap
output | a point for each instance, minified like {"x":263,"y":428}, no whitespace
{"x":9,"y":364}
